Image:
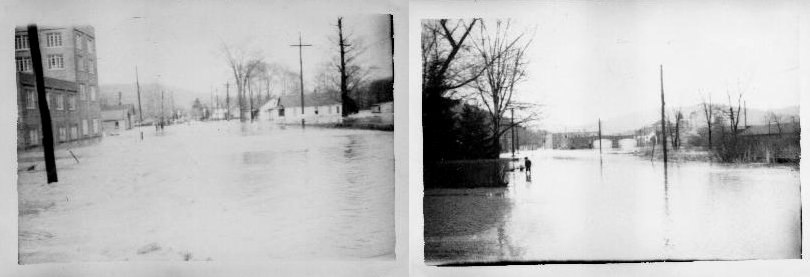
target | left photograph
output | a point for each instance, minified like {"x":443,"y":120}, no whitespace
{"x":205,"y":133}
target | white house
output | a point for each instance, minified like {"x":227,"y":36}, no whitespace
{"x":319,"y":108}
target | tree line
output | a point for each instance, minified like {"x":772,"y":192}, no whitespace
{"x":344,"y":76}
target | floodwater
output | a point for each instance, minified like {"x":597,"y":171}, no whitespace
{"x":213,"y":191}
{"x":578,"y":207}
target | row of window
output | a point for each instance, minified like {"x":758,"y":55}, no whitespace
{"x":54,"y":61}
{"x":66,"y":133}
{"x":59,"y":99}
{"x":298,"y":110}
{"x":54,"y":39}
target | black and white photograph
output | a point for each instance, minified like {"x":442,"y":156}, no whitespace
{"x":592,"y":133}
{"x":203,"y":131}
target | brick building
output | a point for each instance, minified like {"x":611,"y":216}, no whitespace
{"x":71,"y":83}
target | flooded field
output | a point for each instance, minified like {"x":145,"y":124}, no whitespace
{"x":622,"y":208}
{"x":213,"y":191}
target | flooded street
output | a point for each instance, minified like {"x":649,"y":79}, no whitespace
{"x":213,"y":191}
{"x":622,"y":208}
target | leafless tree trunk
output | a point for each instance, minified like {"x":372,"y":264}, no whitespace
{"x":500,"y":76}
{"x":708,"y":111}
{"x":351,"y":75}
{"x":243,"y":66}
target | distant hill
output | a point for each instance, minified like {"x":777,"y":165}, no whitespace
{"x":150,"y":96}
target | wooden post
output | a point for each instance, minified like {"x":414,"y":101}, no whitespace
{"x":140,"y":110}
{"x":300,"y":46}
{"x":600,"y":136}
{"x":227,"y":101}
{"x":663,"y":119}
{"x":42,"y":99}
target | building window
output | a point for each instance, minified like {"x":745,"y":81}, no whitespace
{"x":72,"y":102}
{"x":95,"y":126}
{"x":81,"y":63}
{"x":82,"y":92}
{"x":21,"y":42}
{"x":54,"y":39}
{"x":90,"y":66}
{"x":33,"y":137}
{"x":90,"y":46}
{"x":31,"y":99}
{"x":281,"y":112}
{"x":23,"y":64}
{"x":56,"y":62}
{"x":62,"y":134}
{"x":337,"y":109}
{"x":85,"y":131}
{"x":74,"y":132}
{"x":92,"y":93}
{"x":60,"y":102}
{"x":78,"y":41}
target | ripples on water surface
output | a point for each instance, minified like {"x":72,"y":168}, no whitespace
{"x":215,"y":191}
{"x":625,"y":209}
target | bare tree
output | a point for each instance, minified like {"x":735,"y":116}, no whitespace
{"x":708,"y":112}
{"x":351,"y":74}
{"x":506,"y":69}
{"x":732,"y":115}
{"x":675,"y":128}
{"x":446,"y":59}
{"x":243,"y":65}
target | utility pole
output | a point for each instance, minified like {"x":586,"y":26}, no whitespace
{"x":162,"y":114}
{"x":513,"y":131}
{"x":300,"y":46}
{"x":663,"y":120}
{"x":344,"y":88}
{"x":227,"y":101}
{"x":250,"y":99}
{"x":42,"y":100}
{"x":140,"y":110}
{"x":600,"y":136}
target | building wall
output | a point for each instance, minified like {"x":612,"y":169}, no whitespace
{"x":325,"y":114}
{"x":87,"y":123}
{"x":78,"y":48}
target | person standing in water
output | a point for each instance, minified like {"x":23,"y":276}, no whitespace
{"x":528,"y":164}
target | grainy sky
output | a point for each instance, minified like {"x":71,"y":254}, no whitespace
{"x":178,"y":43}
{"x":601,"y":59}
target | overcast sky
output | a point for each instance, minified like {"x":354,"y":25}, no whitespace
{"x":591,"y":60}
{"x":178,"y":43}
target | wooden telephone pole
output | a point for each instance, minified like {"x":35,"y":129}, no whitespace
{"x":663,"y":119}
{"x":140,"y":110}
{"x":42,"y":100}
{"x":227,"y":101}
{"x":600,"y":136}
{"x":301,"y":46}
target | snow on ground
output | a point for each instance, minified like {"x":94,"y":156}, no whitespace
{"x":213,"y":191}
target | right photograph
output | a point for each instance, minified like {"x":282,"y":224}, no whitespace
{"x":591,"y":133}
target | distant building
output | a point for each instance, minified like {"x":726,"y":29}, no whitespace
{"x":117,"y":118}
{"x":573,"y":140}
{"x":319,"y":108}
{"x":219,"y":114}
{"x":71,"y":82}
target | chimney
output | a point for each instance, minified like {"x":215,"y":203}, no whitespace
{"x":119,"y":98}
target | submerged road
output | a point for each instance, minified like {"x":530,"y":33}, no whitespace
{"x":622,"y":209}
{"x":214,"y":191}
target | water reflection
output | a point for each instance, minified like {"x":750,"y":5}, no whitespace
{"x":619,"y":207}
